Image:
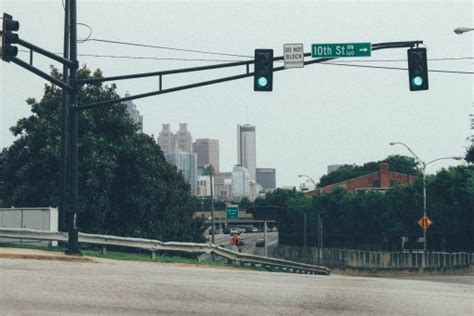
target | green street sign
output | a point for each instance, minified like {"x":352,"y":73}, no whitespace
{"x":341,"y":50}
{"x":232,"y":211}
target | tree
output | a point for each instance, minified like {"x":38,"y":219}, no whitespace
{"x":126,"y":186}
{"x":470,"y":154}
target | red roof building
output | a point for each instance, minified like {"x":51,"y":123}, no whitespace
{"x":382,"y":179}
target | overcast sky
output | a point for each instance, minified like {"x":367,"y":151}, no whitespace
{"x":315,"y":116}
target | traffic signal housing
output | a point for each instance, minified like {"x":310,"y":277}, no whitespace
{"x":263,"y":74}
{"x":417,"y":69}
{"x":8,"y":51}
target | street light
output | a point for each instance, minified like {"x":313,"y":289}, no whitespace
{"x":320,"y":221}
{"x":461,"y":30}
{"x":211,"y":174}
{"x":423,"y":169}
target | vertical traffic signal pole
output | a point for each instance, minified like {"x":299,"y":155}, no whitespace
{"x":73,"y":238}
{"x":63,"y":173}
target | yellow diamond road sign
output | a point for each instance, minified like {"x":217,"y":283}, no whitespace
{"x":424,"y":222}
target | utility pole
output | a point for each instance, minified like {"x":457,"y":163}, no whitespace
{"x":63,"y":177}
{"x":211,"y":172}
{"x":73,"y":239}
{"x":304,"y":230}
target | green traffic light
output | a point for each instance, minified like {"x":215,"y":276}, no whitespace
{"x":417,"y":81}
{"x":262,"y":82}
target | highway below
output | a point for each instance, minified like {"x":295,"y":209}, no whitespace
{"x":249,"y":241}
{"x":43,"y":287}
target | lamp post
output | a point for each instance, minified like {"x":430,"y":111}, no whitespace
{"x":211,"y":173}
{"x":423,"y":172}
{"x":461,"y":30}
{"x":320,"y":221}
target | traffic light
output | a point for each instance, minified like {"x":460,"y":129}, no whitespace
{"x":417,"y":69}
{"x":8,"y":37}
{"x":263,"y":75}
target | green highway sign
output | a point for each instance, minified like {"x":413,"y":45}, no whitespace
{"x":341,"y":50}
{"x":232,"y":211}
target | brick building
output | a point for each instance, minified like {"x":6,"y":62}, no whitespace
{"x":382,"y":179}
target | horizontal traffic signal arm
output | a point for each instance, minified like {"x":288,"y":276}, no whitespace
{"x":42,"y":74}
{"x":246,"y":63}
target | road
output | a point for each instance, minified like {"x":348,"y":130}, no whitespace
{"x":44,"y":287}
{"x":250,"y":239}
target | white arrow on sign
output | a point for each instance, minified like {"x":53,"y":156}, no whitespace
{"x":363,"y":49}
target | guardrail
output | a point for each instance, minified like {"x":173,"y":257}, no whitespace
{"x":153,"y":246}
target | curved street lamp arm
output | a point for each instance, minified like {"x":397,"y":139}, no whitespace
{"x":443,"y":158}
{"x":411,"y":151}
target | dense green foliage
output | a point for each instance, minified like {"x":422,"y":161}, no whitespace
{"x":126,"y":187}
{"x":470,"y":154}
{"x":402,"y":164}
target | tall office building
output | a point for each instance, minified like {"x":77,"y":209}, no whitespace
{"x":173,"y":143}
{"x":167,"y":140}
{"x":266,"y":177}
{"x":186,"y":163}
{"x":223,"y":185}
{"x":246,"y":149}
{"x":207,"y":151}
{"x":184,"y":140}
{"x":134,"y":114}
{"x":240,"y":182}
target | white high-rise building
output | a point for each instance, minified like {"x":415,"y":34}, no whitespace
{"x":246,"y":149}
{"x":186,"y":163}
{"x":240,"y":182}
{"x":134,"y":114}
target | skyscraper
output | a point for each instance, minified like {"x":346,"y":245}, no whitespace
{"x":240,"y":182}
{"x":166,"y":140}
{"x":246,"y":149}
{"x":134,"y":114}
{"x":173,"y":143}
{"x":184,"y":139}
{"x":266,"y":178}
{"x":207,"y":151}
{"x":186,"y":163}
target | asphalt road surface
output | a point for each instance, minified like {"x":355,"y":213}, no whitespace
{"x":250,"y":239}
{"x":43,"y":287}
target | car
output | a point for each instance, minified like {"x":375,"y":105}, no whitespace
{"x":234,"y":231}
{"x":260,"y":243}
{"x":254,"y":229}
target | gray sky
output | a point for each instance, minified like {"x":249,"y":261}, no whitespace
{"x":314,"y":117}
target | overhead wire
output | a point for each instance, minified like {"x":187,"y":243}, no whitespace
{"x":399,"y":68}
{"x":165,"y":47}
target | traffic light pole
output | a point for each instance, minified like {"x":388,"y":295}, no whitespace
{"x":73,"y":242}
{"x":63,"y":177}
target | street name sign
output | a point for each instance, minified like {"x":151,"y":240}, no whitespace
{"x":232,"y":211}
{"x":424,"y":222}
{"x":341,"y":50}
{"x":293,"y":55}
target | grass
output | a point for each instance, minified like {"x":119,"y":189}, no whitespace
{"x":132,"y":256}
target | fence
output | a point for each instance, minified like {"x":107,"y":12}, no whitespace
{"x":383,"y":260}
{"x":155,"y":245}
